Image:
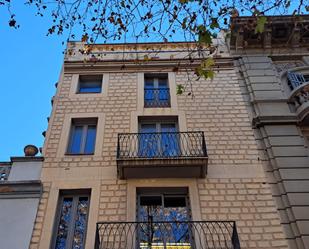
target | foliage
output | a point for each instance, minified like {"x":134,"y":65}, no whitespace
{"x":156,"y":20}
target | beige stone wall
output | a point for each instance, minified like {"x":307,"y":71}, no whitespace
{"x":234,"y":188}
{"x":39,"y":220}
{"x":218,"y":109}
{"x":247,"y":201}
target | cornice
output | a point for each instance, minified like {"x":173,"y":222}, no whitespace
{"x":20,"y":189}
{"x":132,"y":65}
{"x":260,"y":121}
{"x":27,"y":159}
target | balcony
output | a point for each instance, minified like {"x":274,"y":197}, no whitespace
{"x":162,"y":155}
{"x":157,"y":97}
{"x":299,"y":85}
{"x":167,"y":235}
{"x":5,"y":169}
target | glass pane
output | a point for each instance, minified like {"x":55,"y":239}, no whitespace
{"x":149,"y":83}
{"x":80,"y":223}
{"x":150,"y":210}
{"x":90,"y":139}
{"x":175,"y":209}
{"x":168,"y":234}
{"x":169,"y":140}
{"x":63,"y":227}
{"x":148,"y":143}
{"x":76,"y":139}
{"x":163,"y":93}
{"x":163,"y":83}
{"x":90,"y":87}
{"x":149,"y":92}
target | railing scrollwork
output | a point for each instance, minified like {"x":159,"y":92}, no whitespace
{"x":167,"y":235}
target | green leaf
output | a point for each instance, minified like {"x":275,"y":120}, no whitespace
{"x":180,"y":89}
{"x":210,"y":74}
{"x":209,"y":62}
{"x":214,"y":23}
{"x":205,"y":37}
{"x":260,"y":24}
{"x":205,"y":69}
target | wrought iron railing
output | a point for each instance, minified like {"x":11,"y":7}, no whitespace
{"x":299,"y":84}
{"x":167,"y":235}
{"x":157,"y":97}
{"x":4,"y":172}
{"x":296,"y":79}
{"x":161,"y":145}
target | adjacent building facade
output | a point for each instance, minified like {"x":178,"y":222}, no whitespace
{"x":20,"y":192}
{"x":131,"y":164}
{"x":273,"y":69}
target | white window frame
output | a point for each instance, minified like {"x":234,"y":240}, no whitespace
{"x":85,"y":123}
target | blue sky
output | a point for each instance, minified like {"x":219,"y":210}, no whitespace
{"x":30,"y":65}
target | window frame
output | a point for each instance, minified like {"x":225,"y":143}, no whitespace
{"x":158,"y":124}
{"x":75,"y":195}
{"x":85,"y":123}
{"x":157,"y":102}
{"x":91,"y":77}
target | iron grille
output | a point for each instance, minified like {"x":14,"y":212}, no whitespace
{"x":4,"y":172}
{"x":167,"y":235}
{"x":157,"y":97}
{"x":161,"y":145}
{"x":295,"y":79}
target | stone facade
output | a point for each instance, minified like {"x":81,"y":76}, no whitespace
{"x":235,"y":187}
{"x":280,"y":121}
{"x":20,"y":193}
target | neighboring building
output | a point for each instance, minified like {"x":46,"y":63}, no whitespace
{"x":125,"y":156}
{"x":273,"y":71}
{"x":20,"y":192}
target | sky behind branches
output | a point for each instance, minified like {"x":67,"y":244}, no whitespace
{"x":30,"y":65}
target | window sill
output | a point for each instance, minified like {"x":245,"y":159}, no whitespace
{"x":79,"y":154}
{"x":88,"y":93}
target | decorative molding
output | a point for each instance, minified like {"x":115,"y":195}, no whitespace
{"x":20,"y":189}
{"x":27,"y":159}
{"x":131,"y":65}
{"x":284,"y":32}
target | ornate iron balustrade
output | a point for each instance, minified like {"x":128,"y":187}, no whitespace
{"x":161,"y":145}
{"x":157,"y":97}
{"x":4,"y":172}
{"x":295,"y":80}
{"x":167,"y":235}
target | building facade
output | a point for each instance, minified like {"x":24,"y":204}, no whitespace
{"x":148,"y":160}
{"x":273,"y":69}
{"x":20,"y":192}
{"x":131,"y":164}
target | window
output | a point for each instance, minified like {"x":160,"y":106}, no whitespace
{"x":164,"y":207}
{"x":159,"y":139}
{"x":90,"y":84}
{"x":156,"y":91}
{"x":83,"y":136}
{"x":71,"y":220}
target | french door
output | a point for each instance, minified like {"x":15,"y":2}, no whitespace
{"x":156,"y":91}
{"x":71,"y":221}
{"x":164,"y":221}
{"x":159,"y":139}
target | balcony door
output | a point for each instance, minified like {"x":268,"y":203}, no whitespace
{"x":156,"y":91}
{"x":158,"y":139}
{"x":164,"y":220}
